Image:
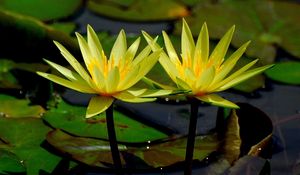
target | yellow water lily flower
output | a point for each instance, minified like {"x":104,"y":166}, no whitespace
{"x":109,"y":78}
{"x":200,"y":73}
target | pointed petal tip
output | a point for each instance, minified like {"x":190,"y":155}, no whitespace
{"x":204,"y":26}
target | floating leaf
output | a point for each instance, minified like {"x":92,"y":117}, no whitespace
{"x":90,"y":151}
{"x":285,"y":72}
{"x":17,"y":108}
{"x":72,"y":119}
{"x":139,"y":10}
{"x":265,"y":23}
{"x":43,"y":10}
{"x":23,"y":137}
{"x":10,"y":163}
{"x":27,"y":39}
{"x":7,"y":80}
{"x":173,"y":151}
{"x":67,"y":27}
{"x":97,"y":152}
{"x":287,"y":27}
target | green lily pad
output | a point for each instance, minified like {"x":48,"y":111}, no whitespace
{"x":7,"y":80}
{"x":18,"y":108}
{"x":10,"y":163}
{"x":264,"y":23}
{"x":26,"y":39}
{"x":23,"y":137}
{"x":67,"y":27}
{"x":71,"y":119}
{"x":42,"y":9}
{"x":97,"y":152}
{"x":139,"y":10}
{"x":285,"y":72}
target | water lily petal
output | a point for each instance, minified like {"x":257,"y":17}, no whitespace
{"x":85,"y":50}
{"x":136,"y":91}
{"x":230,"y":62}
{"x":170,"y":49}
{"x":244,"y":77}
{"x":67,"y":83}
{"x":97,"y":105}
{"x":152,"y":42}
{"x":145,"y":66}
{"x":74,"y":63}
{"x":182,"y":84}
{"x":206,"y":78}
{"x":99,"y":79}
{"x":94,"y":43}
{"x":190,"y":76}
{"x":155,"y":93}
{"x":67,"y":72}
{"x":170,"y":68}
{"x":217,"y":101}
{"x":129,"y":79}
{"x":144,"y":53}
{"x":233,"y":76}
{"x":112,"y":80}
{"x":130,"y":53}
{"x":156,"y":85}
{"x":218,"y":54}
{"x":119,"y":48}
{"x":148,"y":62}
{"x":187,"y":44}
{"x":202,"y":48}
{"x":128,"y":97}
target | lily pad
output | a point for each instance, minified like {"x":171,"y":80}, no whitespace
{"x":23,"y":137}
{"x":26,"y":39}
{"x":265,"y":23}
{"x":10,"y":163}
{"x":42,"y":9}
{"x":18,"y":108}
{"x":285,"y":72}
{"x":72,"y":119}
{"x":67,"y":27}
{"x":97,"y":152}
{"x":7,"y":80}
{"x":139,"y":10}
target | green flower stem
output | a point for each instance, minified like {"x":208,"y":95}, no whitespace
{"x":113,"y":140}
{"x":191,"y":137}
